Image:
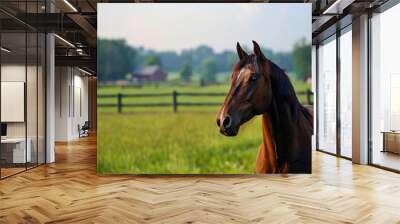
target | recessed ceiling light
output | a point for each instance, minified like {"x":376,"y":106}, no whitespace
{"x":64,"y":40}
{"x":84,"y":71}
{"x":5,"y":50}
{"x":70,"y":5}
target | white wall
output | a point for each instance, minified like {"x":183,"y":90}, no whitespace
{"x":12,"y":73}
{"x":71,"y":102}
{"x":62,"y":82}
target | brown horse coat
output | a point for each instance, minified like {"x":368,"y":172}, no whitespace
{"x":260,"y":87}
{"x":266,"y":157}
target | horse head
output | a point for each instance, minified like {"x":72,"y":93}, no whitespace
{"x":250,"y":93}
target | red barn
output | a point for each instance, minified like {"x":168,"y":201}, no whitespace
{"x":152,"y":73}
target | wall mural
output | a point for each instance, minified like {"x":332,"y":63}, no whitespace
{"x":204,"y":88}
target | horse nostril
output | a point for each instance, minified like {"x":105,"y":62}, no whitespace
{"x":227,"y":122}
{"x":218,"y":122}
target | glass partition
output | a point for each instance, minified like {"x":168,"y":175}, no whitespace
{"x":327,"y":96}
{"x":14,"y":153}
{"x":22,"y":77}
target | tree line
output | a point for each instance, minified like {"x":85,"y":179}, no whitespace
{"x":116,"y":59}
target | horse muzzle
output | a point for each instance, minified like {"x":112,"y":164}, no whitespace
{"x":228,"y":126}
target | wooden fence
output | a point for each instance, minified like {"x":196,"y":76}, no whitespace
{"x":175,"y":103}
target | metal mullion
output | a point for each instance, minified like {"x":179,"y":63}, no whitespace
{"x":45,"y":96}
{"x":37,"y":91}
{"x":338,"y":117}
{"x":26,"y":87}
{"x":45,"y":90}
{"x":369,"y":91}
{"x":317,"y":96}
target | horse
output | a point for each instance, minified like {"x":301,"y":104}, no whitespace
{"x":260,"y":87}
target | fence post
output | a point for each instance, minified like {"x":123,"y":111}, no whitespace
{"x":309,"y":96}
{"x":175,"y":101}
{"x":119,"y":102}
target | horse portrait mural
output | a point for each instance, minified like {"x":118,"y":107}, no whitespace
{"x":165,"y":81}
{"x":260,"y":87}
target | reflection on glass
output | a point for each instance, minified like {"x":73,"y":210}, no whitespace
{"x":327,"y":96}
{"x":385,"y":84}
{"x":346,"y":94}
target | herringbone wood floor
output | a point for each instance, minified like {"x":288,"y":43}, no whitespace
{"x":70,"y":191}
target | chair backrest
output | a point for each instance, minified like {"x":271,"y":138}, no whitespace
{"x":86,"y":125}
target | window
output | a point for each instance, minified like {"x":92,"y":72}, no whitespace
{"x":346,"y":93}
{"x":327,"y":96}
{"x":385,"y":89}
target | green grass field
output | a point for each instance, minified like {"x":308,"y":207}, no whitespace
{"x":173,"y":143}
{"x":158,"y":141}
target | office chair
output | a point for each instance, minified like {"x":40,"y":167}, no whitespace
{"x":84,"y":130}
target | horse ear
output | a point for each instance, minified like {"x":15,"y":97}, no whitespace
{"x":241,"y":53}
{"x":257,"y":50}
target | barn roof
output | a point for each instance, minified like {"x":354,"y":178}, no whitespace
{"x":148,"y":70}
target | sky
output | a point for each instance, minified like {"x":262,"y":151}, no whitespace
{"x":161,"y":26}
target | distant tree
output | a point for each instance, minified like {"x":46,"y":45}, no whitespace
{"x":209,"y":70}
{"x":230,"y":60}
{"x":186,"y":72}
{"x":172,"y":61}
{"x":153,"y":60}
{"x":115,"y":59}
{"x":301,"y":57}
{"x":284,"y":60}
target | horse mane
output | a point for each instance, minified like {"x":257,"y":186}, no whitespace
{"x":283,"y":90}
{"x":284,"y":103}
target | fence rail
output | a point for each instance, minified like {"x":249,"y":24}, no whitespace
{"x":175,"y":103}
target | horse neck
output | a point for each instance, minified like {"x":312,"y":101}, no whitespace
{"x":266,"y":162}
{"x":284,"y":113}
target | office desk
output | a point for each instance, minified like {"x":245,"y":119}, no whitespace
{"x":15,"y":148}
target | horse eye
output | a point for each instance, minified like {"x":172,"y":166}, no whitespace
{"x":253,"y":77}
